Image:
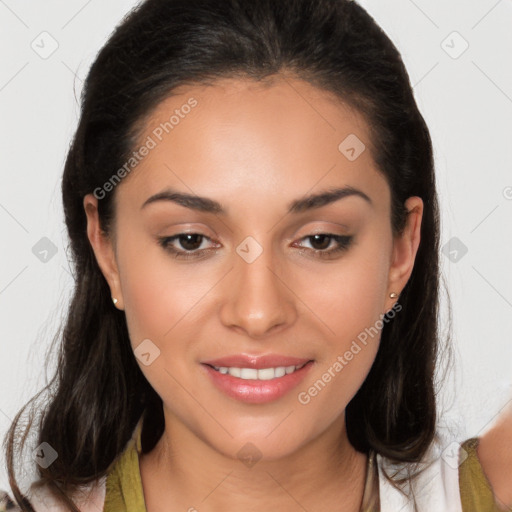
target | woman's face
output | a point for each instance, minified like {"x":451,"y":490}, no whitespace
{"x":251,"y":286}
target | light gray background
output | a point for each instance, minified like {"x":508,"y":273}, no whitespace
{"x":466,"y":99}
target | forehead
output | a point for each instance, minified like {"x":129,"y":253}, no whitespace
{"x":237,"y":135}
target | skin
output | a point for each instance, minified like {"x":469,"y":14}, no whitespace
{"x":495,"y":454}
{"x":254,"y":148}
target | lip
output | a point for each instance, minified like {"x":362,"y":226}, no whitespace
{"x":253,"y":391}
{"x":257,"y":362}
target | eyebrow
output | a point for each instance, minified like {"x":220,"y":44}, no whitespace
{"x":207,"y":205}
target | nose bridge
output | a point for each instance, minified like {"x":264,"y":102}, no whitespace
{"x":257,"y":299}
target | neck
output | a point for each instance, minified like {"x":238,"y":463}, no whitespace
{"x":183,"y":472}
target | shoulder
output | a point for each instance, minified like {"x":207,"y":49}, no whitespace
{"x":89,"y":499}
{"x":450,"y":478}
{"x":432,"y":484}
{"x":104,"y":493}
{"x":6,"y":503}
{"x":494,"y":452}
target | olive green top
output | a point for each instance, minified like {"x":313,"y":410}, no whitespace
{"x":475,"y":490}
{"x":124,"y":490}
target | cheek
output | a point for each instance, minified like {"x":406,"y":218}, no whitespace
{"x":159,"y":301}
{"x":350,"y":295}
{"x":350,"y":302}
{"x":159,"y":294}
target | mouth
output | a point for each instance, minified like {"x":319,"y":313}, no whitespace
{"x":257,"y":380}
{"x":270,"y":373}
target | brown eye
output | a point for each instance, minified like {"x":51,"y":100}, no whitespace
{"x":321,"y":241}
{"x":189,"y":242}
{"x":184,"y":245}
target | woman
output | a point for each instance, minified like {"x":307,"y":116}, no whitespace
{"x":250,"y":198}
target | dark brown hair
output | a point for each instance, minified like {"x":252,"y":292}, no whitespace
{"x":98,"y":392}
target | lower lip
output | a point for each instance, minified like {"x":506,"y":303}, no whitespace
{"x":254,"y":391}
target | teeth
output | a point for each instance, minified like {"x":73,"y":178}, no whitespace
{"x":255,"y":374}
{"x":280,"y":371}
{"x":236,"y":372}
{"x":247,"y":373}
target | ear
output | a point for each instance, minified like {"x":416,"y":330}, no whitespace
{"x":103,"y":248}
{"x":405,"y":246}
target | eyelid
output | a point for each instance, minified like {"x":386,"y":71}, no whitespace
{"x":323,"y":229}
{"x":182,"y":228}
{"x":341,"y":244}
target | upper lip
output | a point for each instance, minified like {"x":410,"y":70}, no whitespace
{"x":254,"y":361}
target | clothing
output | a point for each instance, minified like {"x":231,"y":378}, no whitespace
{"x":444,"y":486}
{"x":473,"y":492}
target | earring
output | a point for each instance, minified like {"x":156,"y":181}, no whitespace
{"x":393,"y":295}
{"x":114,"y":300}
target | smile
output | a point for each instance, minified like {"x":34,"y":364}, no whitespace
{"x":257,"y":385}
{"x":258,"y":374}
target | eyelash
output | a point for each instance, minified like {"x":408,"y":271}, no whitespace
{"x":343,"y":241}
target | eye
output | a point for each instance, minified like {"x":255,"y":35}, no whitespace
{"x":324,"y":241}
{"x":190,"y":242}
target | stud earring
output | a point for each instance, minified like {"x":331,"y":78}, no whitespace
{"x":393,"y":295}
{"x":114,"y":300}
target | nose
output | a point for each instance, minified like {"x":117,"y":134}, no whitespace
{"x":258,"y":299}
